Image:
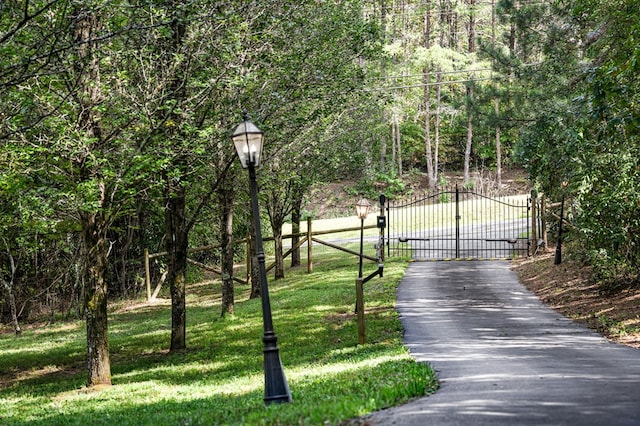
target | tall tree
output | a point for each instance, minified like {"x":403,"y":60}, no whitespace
{"x":496,"y":102}
{"x":472,"y":48}
{"x":94,"y":221}
{"x":175,"y":184}
{"x":432,"y":164}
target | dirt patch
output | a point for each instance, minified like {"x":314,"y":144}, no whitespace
{"x":568,"y":289}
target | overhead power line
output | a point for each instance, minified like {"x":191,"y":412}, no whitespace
{"x":413,"y":86}
{"x":398,"y":77}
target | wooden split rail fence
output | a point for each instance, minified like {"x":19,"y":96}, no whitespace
{"x":308,"y":237}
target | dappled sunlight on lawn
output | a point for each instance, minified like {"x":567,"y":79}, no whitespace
{"x":219,"y":377}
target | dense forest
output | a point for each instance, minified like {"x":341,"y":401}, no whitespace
{"x":116,"y":120}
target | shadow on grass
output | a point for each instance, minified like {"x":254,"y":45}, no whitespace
{"x":219,"y":378}
{"x":352,"y":391}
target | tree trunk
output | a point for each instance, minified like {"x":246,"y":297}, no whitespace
{"x":255,"y":268}
{"x":176,"y":228}
{"x":393,"y":143}
{"x":498,"y":147}
{"x":383,"y":67}
{"x":277,"y":240}
{"x":225,"y":199}
{"x":431,"y":175}
{"x":467,"y":151}
{"x":496,"y":102}
{"x":95,"y":270}
{"x":12,"y":305}
{"x":436,"y":132}
{"x":472,"y":49}
{"x":10,"y":288}
{"x":295,"y":228}
{"x":396,"y":126}
{"x":176,"y":236}
{"x":94,"y":224}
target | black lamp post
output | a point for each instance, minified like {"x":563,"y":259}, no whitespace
{"x":248,"y":140}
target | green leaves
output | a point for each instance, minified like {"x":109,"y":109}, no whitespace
{"x":586,"y":130}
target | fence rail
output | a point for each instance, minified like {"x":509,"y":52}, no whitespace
{"x":307,"y":237}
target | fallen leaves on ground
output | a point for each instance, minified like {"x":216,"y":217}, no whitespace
{"x":568,"y":289}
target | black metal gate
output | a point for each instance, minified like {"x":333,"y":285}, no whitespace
{"x":459,"y":224}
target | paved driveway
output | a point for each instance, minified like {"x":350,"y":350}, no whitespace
{"x":503,"y":358}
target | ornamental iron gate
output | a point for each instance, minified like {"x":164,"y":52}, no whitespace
{"x":459,"y":225}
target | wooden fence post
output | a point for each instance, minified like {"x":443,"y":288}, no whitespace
{"x":147,"y":274}
{"x":309,"y":247}
{"x":360,"y":310}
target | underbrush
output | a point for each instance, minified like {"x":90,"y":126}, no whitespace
{"x":610,"y":272}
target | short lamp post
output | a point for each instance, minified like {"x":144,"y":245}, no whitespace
{"x":248,"y":141}
{"x":362,"y":211}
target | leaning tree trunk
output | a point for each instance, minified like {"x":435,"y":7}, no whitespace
{"x":177,"y":241}
{"x":225,"y":198}
{"x":12,"y":305}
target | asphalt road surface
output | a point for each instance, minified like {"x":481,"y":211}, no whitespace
{"x":503,"y":358}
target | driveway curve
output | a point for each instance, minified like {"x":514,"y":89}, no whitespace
{"x":503,"y":358}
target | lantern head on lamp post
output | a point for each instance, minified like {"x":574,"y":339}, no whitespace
{"x":248,"y":141}
{"x":362,"y":208}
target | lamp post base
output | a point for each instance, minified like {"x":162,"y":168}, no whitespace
{"x":276,"y":387}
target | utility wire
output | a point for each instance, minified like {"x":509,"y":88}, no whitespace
{"x":413,"y":86}
{"x":393,"y":77}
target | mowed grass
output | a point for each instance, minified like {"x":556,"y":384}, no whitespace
{"x":219,"y":378}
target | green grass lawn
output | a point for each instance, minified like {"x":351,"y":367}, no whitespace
{"x":219,"y":378}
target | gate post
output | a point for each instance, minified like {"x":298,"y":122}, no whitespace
{"x":382,"y":222}
{"x":534,"y":220}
